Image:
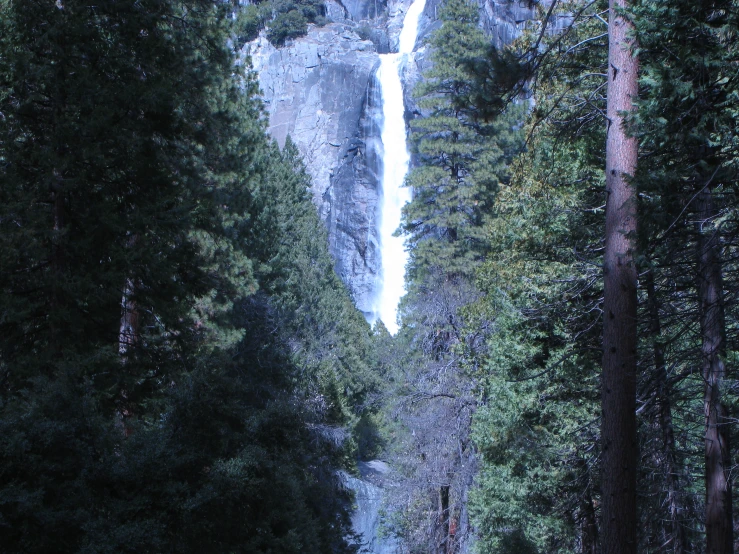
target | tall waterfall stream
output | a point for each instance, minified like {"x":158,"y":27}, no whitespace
{"x":395,"y":160}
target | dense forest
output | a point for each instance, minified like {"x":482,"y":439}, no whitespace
{"x":570,"y":331}
{"x":181,"y":369}
{"x":179,"y":362}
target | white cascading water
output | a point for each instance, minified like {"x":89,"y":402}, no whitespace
{"x":395,"y":167}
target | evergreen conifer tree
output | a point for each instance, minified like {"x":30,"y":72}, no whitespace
{"x":460,"y":161}
{"x":688,"y":127}
{"x":146,"y":403}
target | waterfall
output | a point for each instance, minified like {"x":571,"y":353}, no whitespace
{"x":368,"y":492}
{"x":395,"y":167}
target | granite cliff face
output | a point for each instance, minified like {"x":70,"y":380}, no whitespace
{"x":321,"y":91}
{"x":318,"y":91}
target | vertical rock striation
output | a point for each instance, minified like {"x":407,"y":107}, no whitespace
{"x":321,"y":90}
{"x":318,"y":90}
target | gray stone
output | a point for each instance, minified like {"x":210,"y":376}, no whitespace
{"x":318,"y":90}
{"x":365,"y":9}
{"x":335,"y":11}
{"x":368,"y":498}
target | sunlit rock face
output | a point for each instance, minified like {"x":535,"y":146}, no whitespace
{"x":323,"y":91}
{"x":318,"y":91}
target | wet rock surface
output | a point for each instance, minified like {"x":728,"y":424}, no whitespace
{"x":368,"y":495}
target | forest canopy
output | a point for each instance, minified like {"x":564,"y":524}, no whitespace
{"x":565,"y":377}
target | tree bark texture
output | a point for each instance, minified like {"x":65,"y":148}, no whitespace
{"x":588,"y":525}
{"x":129,"y":328}
{"x":719,"y":522}
{"x":57,"y":258}
{"x":618,"y":385}
{"x":128,"y":336}
{"x":462,"y":536}
{"x":444,"y":518}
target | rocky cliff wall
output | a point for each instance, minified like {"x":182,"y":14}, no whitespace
{"x":367,"y":517}
{"x":320,"y":90}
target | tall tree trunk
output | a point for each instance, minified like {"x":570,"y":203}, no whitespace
{"x":128,"y":332}
{"x":462,"y":536}
{"x":444,"y":518}
{"x":588,"y":524}
{"x":57,"y":259}
{"x":719,"y":522}
{"x":128,"y":336}
{"x":618,"y":386}
{"x":677,"y":537}
{"x":129,"y":328}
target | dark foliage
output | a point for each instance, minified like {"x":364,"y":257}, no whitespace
{"x":133,"y":165}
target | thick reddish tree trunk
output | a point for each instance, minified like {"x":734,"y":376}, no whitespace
{"x":618,"y":386}
{"x":719,"y":522}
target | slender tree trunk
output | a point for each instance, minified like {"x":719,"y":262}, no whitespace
{"x":57,"y":259}
{"x":59,"y":222}
{"x":128,"y":336}
{"x":677,"y":537}
{"x":129,"y":328}
{"x":719,"y":520}
{"x":462,"y":536}
{"x":588,"y":525}
{"x":128,"y":333}
{"x":618,"y":387}
{"x":444,"y":518}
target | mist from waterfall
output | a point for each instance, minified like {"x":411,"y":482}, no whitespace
{"x":395,"y":160}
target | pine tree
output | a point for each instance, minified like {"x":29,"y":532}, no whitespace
{"x":537,"y":426}
{"x":87,"y":210}
{"x":686,"y":122}
{"x":330,"y":338}
{"x":619,"y":443}
{"x":535,"y":430}
{"x":460,"y":161}
{"x":131,"y":155}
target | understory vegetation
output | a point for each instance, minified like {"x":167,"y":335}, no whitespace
{"x":283,"y":19}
